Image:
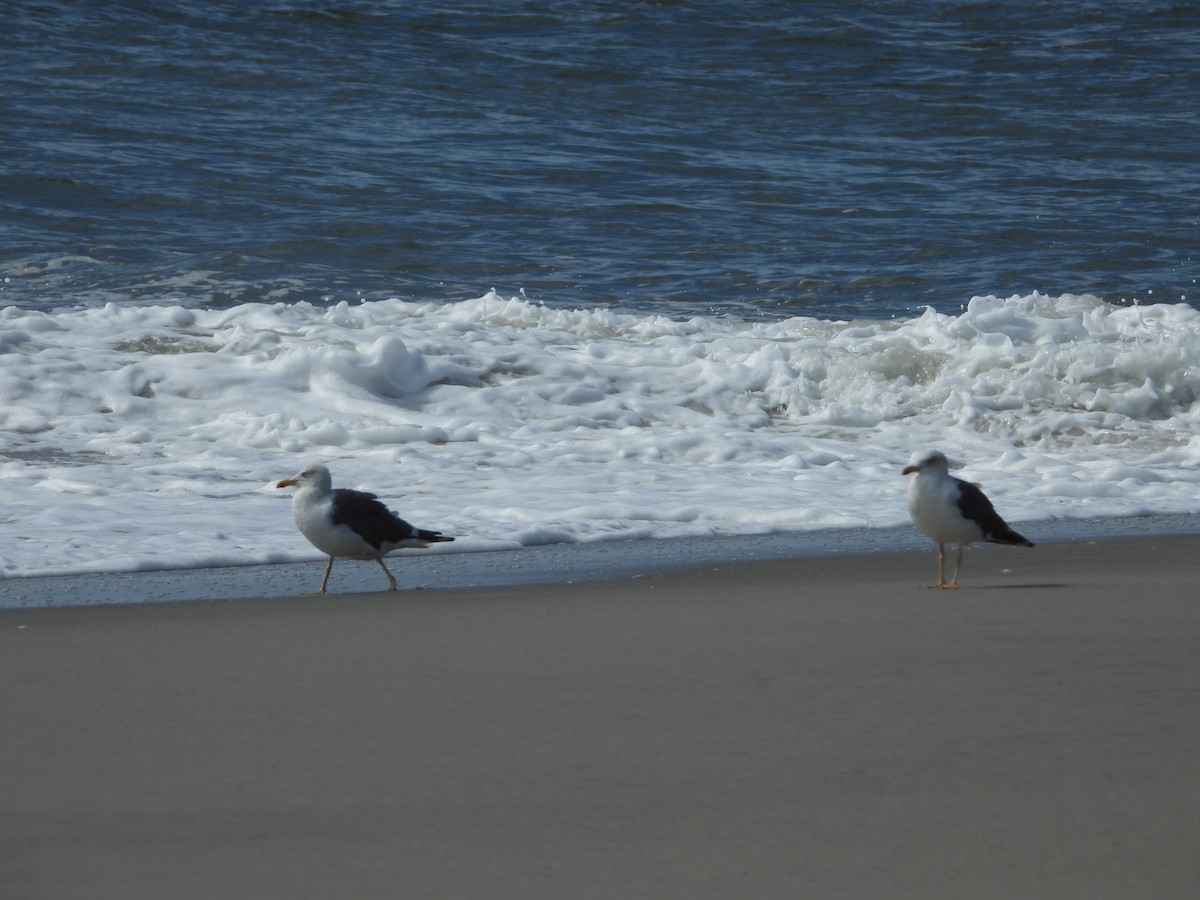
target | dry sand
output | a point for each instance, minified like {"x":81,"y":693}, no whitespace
{"x":814,"y":728}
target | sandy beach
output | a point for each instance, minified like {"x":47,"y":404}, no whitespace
{"x":817,"y":727}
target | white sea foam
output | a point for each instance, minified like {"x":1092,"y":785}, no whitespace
{"x":136,"y":437}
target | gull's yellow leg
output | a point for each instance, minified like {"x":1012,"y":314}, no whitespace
{"x":325,"y":580}
{"x":391,"y":580}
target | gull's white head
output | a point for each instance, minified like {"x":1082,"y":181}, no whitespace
{"x":314,"y":476}
{"x":929,"y":461}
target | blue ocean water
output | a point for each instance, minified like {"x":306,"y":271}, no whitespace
{"x":831,"y":159}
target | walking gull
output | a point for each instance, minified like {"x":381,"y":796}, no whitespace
{"x":351,"y":524}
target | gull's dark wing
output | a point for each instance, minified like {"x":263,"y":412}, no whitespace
{"x":374,"y":522}
{"x":973,"y":504}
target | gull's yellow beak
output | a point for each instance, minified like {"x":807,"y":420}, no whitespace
{"x":287,"y":482}
{"x":908,"y":470}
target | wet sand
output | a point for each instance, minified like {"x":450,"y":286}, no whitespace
{"x":798,"y":728}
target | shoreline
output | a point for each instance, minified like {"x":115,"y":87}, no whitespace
{"x":817,"y":726}
{"x":541,"y":564}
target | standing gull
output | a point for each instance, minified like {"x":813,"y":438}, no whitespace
{"x":953,"y":511}
{"x":353,"y":524}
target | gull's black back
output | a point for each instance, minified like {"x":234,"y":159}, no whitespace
{"x":374,"y":522}
{"x":975,"y":505}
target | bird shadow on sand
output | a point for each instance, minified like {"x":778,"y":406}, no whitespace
{"x":1025,"y":587}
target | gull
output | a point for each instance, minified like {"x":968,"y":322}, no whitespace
{"x":351,"y":524}
{"x":952,"y":511}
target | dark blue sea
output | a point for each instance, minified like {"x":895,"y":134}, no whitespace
{"x":832,"y":159}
